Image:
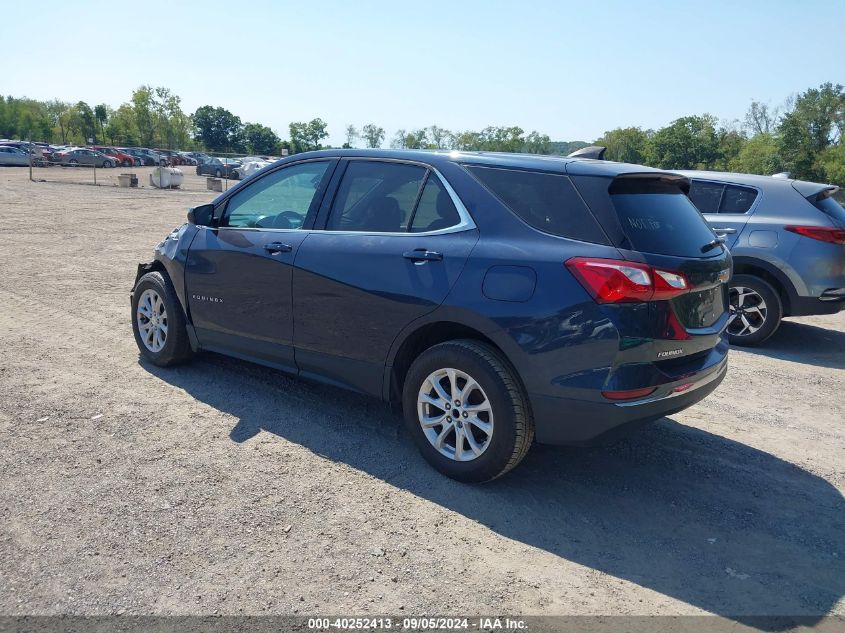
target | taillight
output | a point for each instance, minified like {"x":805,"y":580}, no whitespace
{"x":616,"y":281}
{"x":821,"y":233}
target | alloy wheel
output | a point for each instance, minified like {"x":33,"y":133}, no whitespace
{"x":455,"y":414}
{"x":748,"y":311}
{"x":152,"y":321}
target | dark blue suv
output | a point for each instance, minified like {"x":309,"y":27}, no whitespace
{"x":498,"y":298}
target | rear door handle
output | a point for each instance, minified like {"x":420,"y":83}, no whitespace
{"x":277,"y":247}
{"x":724,"y":230}
{"x":423,"y":255}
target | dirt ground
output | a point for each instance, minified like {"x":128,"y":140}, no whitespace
{"x":223,"y":487}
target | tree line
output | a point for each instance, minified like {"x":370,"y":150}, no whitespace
{"x":802,"y":136}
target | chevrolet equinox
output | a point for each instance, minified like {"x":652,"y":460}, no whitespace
{"x":498,"y":299}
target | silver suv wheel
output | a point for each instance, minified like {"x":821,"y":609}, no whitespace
{"x":748,"y":311}
{"x":455,"y":414}
{"x":152,"y":321}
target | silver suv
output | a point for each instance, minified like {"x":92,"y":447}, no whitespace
{"x":787,"y":238}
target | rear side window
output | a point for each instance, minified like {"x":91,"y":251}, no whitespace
{"x":435,"y":210}
{"x":376,"y":197}
{"x":546,"y":201}
{"x":832,"y":208}
{"x":714,"y":197}
{"x":657,"y":217}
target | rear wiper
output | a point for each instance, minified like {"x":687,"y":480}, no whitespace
{"x":712,"y":244}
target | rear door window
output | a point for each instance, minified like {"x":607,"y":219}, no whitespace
{"x":546,"y":201}
{"x":657,"y":217}
{"x":376,"y":197}
{"x":707,"y":196}
{"x":716,"y":197}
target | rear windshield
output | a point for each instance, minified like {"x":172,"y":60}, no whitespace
{"x":832,"y":208}
{"x":657,"y":217}
{"x":548,"y":202}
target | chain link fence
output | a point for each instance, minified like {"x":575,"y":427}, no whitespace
{"x":141,"y":168}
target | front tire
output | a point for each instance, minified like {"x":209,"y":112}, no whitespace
{"x":467,"y":411}
{"x":158,"y":321}
{"x":756,"y":310}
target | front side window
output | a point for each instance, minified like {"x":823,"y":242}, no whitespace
{"x":376,"y":197}
{"x":279,"y":200}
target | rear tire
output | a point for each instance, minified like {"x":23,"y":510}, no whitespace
{"x":155,"y":304}
{"x":497,"y":403}
{"x":756,"y":310}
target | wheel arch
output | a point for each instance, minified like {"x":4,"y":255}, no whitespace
{"x":771,"y":274}
{"x":416,"y":341}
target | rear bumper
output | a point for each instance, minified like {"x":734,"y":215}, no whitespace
{"x":567,"y":421}
{"x":830,"y":302}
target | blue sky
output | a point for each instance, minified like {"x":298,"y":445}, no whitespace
{"x":569,"y":69}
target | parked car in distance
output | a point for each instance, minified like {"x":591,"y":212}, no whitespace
{"x":218,"y":167}
{"x":82,"y":156}
{"x":172,"y":157}
{"x":144,"y":157}
{"x":786,"y":237}
{"x":495,"y":298}
{"x":200,"y":157}
{"x":13,"y":157}
{"x":189,"y":160}
{"x":122,"y":158}
{"x":249,"y":165}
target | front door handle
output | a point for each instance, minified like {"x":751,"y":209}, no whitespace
{"x":724,"y":230}
{"x":277,"y":247}
{"x":423,"y":255}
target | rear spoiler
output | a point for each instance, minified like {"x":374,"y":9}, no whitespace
{"x":814,"y":191}
{"x":593,"y":151}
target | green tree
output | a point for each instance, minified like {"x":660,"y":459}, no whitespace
{"x":536,"y":143}
{"x":690,"y":142}
{"x":625,"y":144}
{"x":145,"y":117}
{"x":501,"y":139}
{"x":101,"y":114}
{"x":440,"y":138}
{"x":121,"y":129}
{"x":352,"y":135}
{"x":815,"y":124}
{"x":761,"y":119}
{"x":759,"y":155}
{"x":731,"y":142}
{"x":305,"y":137}
{"x":260,"y":139}
{"x":216,"y":128}
{"x":373,"y":135}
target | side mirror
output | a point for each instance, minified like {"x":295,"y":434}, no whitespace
{"x":201,"y":215}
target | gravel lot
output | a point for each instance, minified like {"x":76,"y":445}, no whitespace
{"x":222,"y":487}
